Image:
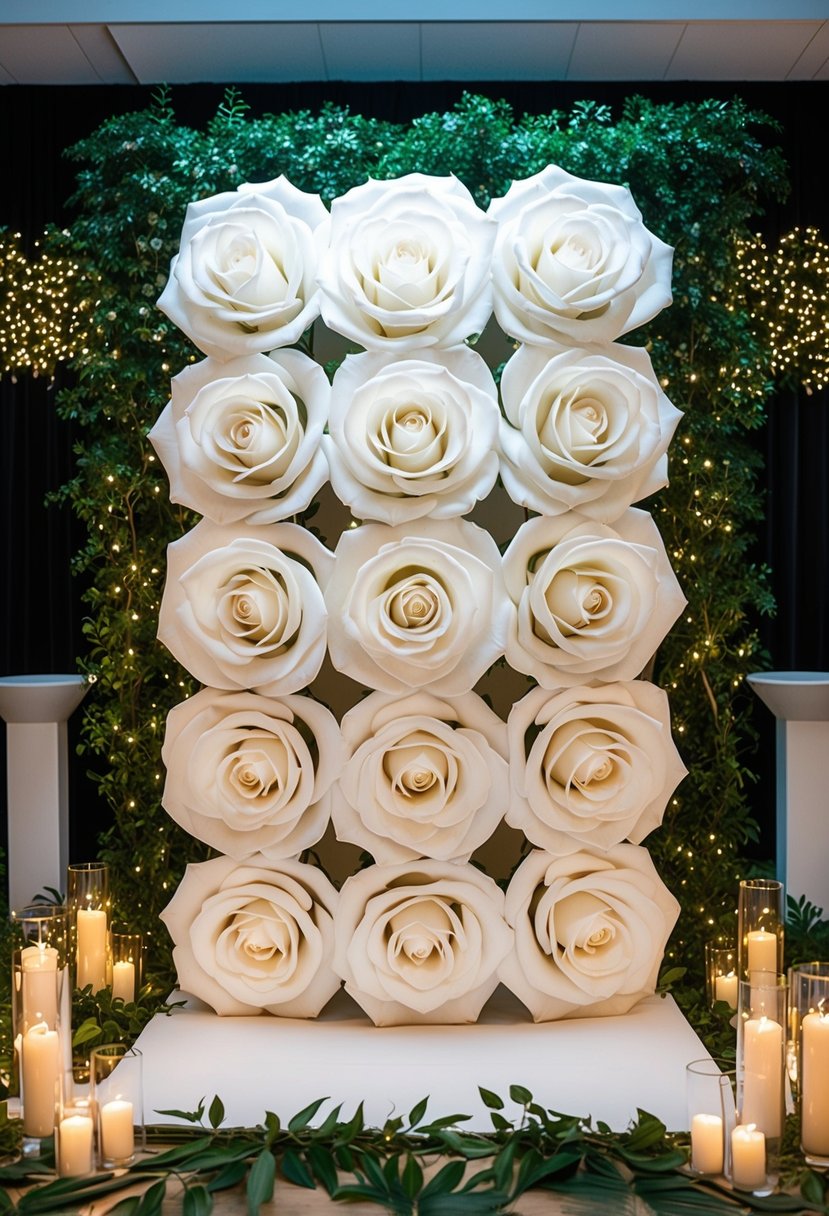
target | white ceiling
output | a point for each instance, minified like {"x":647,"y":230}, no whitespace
{"x":81,"y":51}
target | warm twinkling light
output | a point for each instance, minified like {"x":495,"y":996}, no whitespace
{"x":42,"y":321}
{"x":786,"y":291}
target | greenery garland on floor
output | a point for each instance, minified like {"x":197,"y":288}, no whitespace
{"x":471,"y":1174}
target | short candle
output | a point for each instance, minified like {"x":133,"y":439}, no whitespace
{"x":762,"y":957}
{"x":117,"y":1134}
{"x":707,"y":1150}
{"x":814,"y":1065}
{"x":725,"y":988}
{"x":748,"y":1158}
{"x":75,"y":1146}
{"x":123,"y":981}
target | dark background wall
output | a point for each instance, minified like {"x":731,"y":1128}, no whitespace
{"x":40,"y":609}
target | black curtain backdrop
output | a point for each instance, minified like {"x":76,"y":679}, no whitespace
{"x":40,"y":608}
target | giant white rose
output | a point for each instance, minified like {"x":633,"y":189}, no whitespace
{"x":250,"y":774}
{"x":255,"y":936}
{"x":241,"y":440}
{"x":420,"y":943}
{"x":245,"y":609}
{"x":426,"y":776}
{"x":591,"y":766}
{"x":406,"y":262}
{"x":573,"y":261}
{"x":244,"y":279}
{"x":413,"y":437}
{"x":590,"y":932}
{"x":415,"y":609}
{"x":593,"y":602}
{"x":584,"y":431}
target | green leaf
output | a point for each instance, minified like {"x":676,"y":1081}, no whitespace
{"x":470,"y":1203}
{"x":412,"y":1177}
{"x":812,"y":1188}
{"x":353,"y":1127}
{"x":417,"y":1112}
{"x":304,"y":1117}
{"x":175,"y":1158}
{"x":325,"y":1129}
{"x":321,"y":1161}
{"x":197,"y":1201}
{"x":230,"y":1175}
{"x":272,"y":1127}
{"x":490,"y":1100}
{"x":261,"y":1180}
{"x":87,"y":1032}
{"x":191,"y":1116}
{"x":295,"y":1170}
{"x":445,"y":1180}
{"x":152,"y":1199}
{"x":519,"y":1094}
{"x":216,"y":1112}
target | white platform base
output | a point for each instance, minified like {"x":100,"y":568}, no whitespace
{"x":601,"y":1067}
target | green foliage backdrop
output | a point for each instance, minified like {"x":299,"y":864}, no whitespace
{"x":699,"y":173}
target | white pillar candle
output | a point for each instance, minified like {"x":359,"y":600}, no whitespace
{"x":39,"y":967}
{"x":75,"y":1146}
{"x":763,"y":1075}
{"x":117,"y":1134}
{"x":725,"y":988}
{"x":748,"y":1158}
{"x":123,"y":981}
{"x":40,"y":1065}
{"x":92,"y":948}
{"x":814,"y":1065}
{"x":762,"y":957}
{"x":707,"y":1144}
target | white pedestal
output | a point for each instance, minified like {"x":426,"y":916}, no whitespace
{"x":800,"y":702}
{"x":601,"y":1067}
{"x":36,"y":709}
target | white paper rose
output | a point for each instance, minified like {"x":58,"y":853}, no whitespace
{"x":573,"y":261}
{"x":593,"y":602}
{"x":245,"y":609}
{"x":244,"y":279}
{"x":406,"y":262}
{"x":426,"y":776}
{"x":584,"y":431}
{"x":241,"y":440}
{"x":249,"y":774}
{"x":413,"y":437}
{"x":255,"y":936}
{"x":420,"y":943}
{"x":416,"y":608}
{"x":590,"y":932}
{"x":591,"y":766}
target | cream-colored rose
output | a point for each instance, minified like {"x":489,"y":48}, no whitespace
{"x":415,"y":608}
{"x":426,"y":776}
{"x":420,"y":943}
{"x":255,"y":936}
{"x":249,"y":774}
{"x":584,"y":431}
{"x":413,"y":437}
{"x":243,"y":280}
{"x":242,"y":439}
{"x":245,"y":609}
{"x":573,"y":261}
{"x":591,"y":766}
{"x":406,"y":262}
{"x":593,"y":602}
{"x":590,"y":932}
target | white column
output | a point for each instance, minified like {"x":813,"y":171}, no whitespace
{"x":800,"y":702}
{"x":36,"y":709}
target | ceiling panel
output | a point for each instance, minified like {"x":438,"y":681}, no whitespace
{"x":619,"y":50}
{"x":726,"y":50}
{"x":44,"y":54}
{"x":814,"y":56}
{"x":371,"y":51}
{"x":500,"y":50}
{"x":100,"y":49}
{"x":186,"y":54}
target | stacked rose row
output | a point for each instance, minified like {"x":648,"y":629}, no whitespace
{"x":419,"y":601}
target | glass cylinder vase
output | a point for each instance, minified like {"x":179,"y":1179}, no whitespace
{"x":761,"y":914}
{"x":761,"y":1060}
{"x":116,"y":1087}
{"x":127,"y":964}
{"x":87,"y":896}
{"x":75,"y":1138}
{"x":712,"y":1114}
{"x":721,"y":978}
{"x":810,"y":998}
